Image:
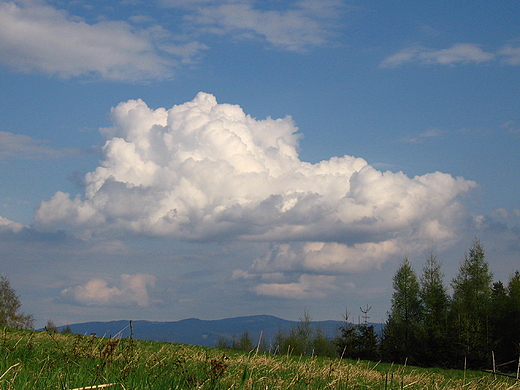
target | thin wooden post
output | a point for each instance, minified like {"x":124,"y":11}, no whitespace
{"x":494,"y":365}
{"x":259,"y":341}
{"x":465,"y":358}
{"x":518,"y":369}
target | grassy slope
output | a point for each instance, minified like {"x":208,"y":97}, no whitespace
{"x":39,"y":360}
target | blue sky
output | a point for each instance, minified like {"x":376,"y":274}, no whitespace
{"x":171,"y":159}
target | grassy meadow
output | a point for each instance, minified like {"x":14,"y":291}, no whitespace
{"x":42,"y":360}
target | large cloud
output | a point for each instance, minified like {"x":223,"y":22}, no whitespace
{"x":208,"y":171}
{"x":35,"y":37}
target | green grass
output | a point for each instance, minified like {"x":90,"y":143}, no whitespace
{"x":40,"y":360}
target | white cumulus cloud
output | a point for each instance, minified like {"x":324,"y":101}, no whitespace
{"x":207,"y":171}
{"x":203,"y":170}
{"x":96,"y":292}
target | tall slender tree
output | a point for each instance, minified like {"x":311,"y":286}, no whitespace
{"x":367,"y":340}
{"x":346,"y":342}
{"x":471,"y":308}
{"x":435,"y":305}
{"x":401,"y":334}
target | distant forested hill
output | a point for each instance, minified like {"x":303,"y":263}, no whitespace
{"x":201,"y":332}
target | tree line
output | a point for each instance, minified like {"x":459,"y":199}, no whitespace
{"x":478,"y":322}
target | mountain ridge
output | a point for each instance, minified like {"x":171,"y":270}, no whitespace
{"x":195,"y":331}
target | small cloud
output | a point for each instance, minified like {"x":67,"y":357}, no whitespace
{"x":461,"y":53}
{"x":510,"y":55}
{"x":512,"y":127}
{"x":24,"y":147}
{"x":7,"y":226}
{"x":402,"y":57}
{"x":422,"y":137}
{"x":489,"y":224}
{"x":324,"y":257}
{"x":188,"y":52}
{"x":502,"y":213}
{"x":428,"y":31}
{"x":307,"y":286}
{"x":110,"y":247}
{"x":241,"y":274}
{"x":96,"y":292}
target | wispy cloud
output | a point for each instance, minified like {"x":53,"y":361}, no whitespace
{"x":298,"y":26}
{"x":461,"y":53}
{"x":422,"y":137}
{"x":510,"y":55}
{"x":511,"y":127}
{"x":24,"y":147}
{"x":307,"y":286}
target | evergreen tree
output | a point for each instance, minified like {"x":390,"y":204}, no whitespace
{"x":367,"y":341}
{"x":401,"y":334}
{"x":471,"y":309}
{"x":358,"y":341}
{"x":10,"y":315}
{"x":346,"y":342}
{"x":435,"y":307}
{"x":500,"y":320}
{"x":506,"y":319}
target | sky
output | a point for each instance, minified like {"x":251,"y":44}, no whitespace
{"x":172,"y":159}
